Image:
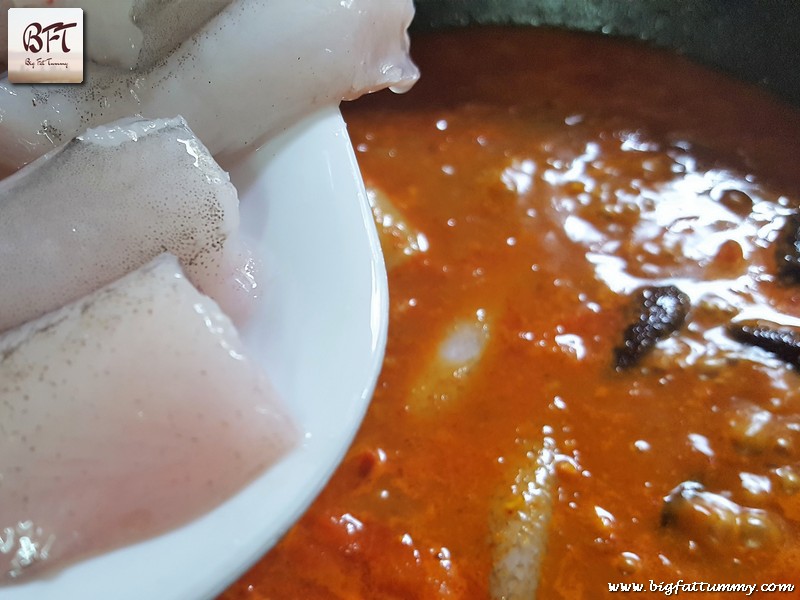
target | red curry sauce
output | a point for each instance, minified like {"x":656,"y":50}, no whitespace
{"x":540,"y":178}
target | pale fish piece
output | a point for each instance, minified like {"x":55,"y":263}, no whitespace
{"x":125,"y":414}
{"x":4,"y":6}
{"x":399,"y":239}
{"x":519,"y":523}
{"x":250,"y":72}
{"x":134,"y":34}
{"x":452,"y":363}
{"x":108,"y":202}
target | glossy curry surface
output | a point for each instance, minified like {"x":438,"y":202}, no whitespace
{"x":528,"y":188}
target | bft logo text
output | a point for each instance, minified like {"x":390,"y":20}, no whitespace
{"x":45,"y":45}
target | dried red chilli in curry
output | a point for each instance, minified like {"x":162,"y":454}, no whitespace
{"x":529,"y":185}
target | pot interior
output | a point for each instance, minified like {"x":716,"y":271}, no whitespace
{"x":754,"y":41}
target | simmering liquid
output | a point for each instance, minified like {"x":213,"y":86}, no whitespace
{"x":583,"y":235}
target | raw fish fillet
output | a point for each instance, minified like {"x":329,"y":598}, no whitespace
{"x":251,"y":71}
{"x":123,"y":415}
{"x":134,"y":34}
{"x":108,"y":202}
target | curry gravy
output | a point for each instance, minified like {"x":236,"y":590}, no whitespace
{"x":537,"y":182}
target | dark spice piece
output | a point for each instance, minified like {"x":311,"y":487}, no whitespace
{"x":787,"y":251}
{"x":783,"y":342}
{"x":659,"y":311}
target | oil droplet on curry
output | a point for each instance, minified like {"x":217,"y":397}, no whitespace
{"x":592,"y":368}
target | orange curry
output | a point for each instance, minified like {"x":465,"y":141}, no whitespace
{"x":590,"y":246}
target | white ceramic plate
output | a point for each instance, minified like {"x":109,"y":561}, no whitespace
{"x":321,"y":336}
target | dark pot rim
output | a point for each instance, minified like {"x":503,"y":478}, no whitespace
{"x":754,"y":40}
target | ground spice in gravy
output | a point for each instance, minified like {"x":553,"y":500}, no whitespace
{"x":540,"y":194}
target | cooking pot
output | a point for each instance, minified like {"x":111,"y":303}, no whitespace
{"x":753,"y":40}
